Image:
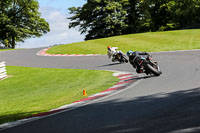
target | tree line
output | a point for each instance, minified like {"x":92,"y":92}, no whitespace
{"x":106,"y":18}
{"x":19,"y":20}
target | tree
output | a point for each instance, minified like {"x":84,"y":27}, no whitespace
{"x":169,"y":14}
{"x":100,"y":18}
{"x":186,"y":13}
{"x":133,"y":16}
{"x":105,"y":18}
{"x":19,"y":20}
{"x":155,"y":14}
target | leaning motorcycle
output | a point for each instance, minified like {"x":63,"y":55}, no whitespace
{"x":121,"y":57}
{"x":149,"y":66}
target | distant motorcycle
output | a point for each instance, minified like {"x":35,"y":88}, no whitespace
{"x":117,"y":55}
{"x":120,"y":57}
{"x":148,"y":65}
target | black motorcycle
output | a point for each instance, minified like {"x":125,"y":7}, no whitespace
{"x":148,"y":65}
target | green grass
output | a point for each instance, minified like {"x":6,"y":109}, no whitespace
{"x":30,"y":91}
{"x":149,"y":42}
{"x":5,"y":49}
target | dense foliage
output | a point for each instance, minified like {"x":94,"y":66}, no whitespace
{"x":19,"y":20}
{"x":105,"y":18}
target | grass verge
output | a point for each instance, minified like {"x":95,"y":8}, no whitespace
{"x":149,"y":42}
{"x":6,"y":49}
{"x":30,"y":91}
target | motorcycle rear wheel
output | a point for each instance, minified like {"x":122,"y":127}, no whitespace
{"x":155,"y":71}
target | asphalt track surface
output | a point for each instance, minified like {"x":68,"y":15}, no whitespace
{"x":168,"y":103}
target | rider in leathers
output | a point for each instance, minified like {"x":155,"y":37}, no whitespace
{"x":112,"y":52}
{"x":134,"y":58}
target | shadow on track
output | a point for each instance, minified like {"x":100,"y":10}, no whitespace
{"x":141,"y":77}
{"x":145,"y":77}
{"x":163,"y":112}
{"x":112,"y":64}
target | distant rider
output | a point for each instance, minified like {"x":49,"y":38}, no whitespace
{"x":134,"y":58}
{"x":112,"y":52}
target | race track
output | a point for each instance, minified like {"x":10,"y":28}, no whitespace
{"x":169,"y":103}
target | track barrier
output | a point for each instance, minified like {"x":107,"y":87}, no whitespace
{"x":3,"y":73}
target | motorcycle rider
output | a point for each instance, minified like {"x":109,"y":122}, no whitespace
{"x":134,"y":58}
{"x":112,"y":52}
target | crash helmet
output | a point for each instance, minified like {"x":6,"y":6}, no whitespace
{"x":109,"y":47}
{"x":129,"y":53}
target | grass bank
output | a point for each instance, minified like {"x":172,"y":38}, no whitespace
{"x":33,"y":90}
{"x":6,"y":49}
{"x":149,"y":42}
